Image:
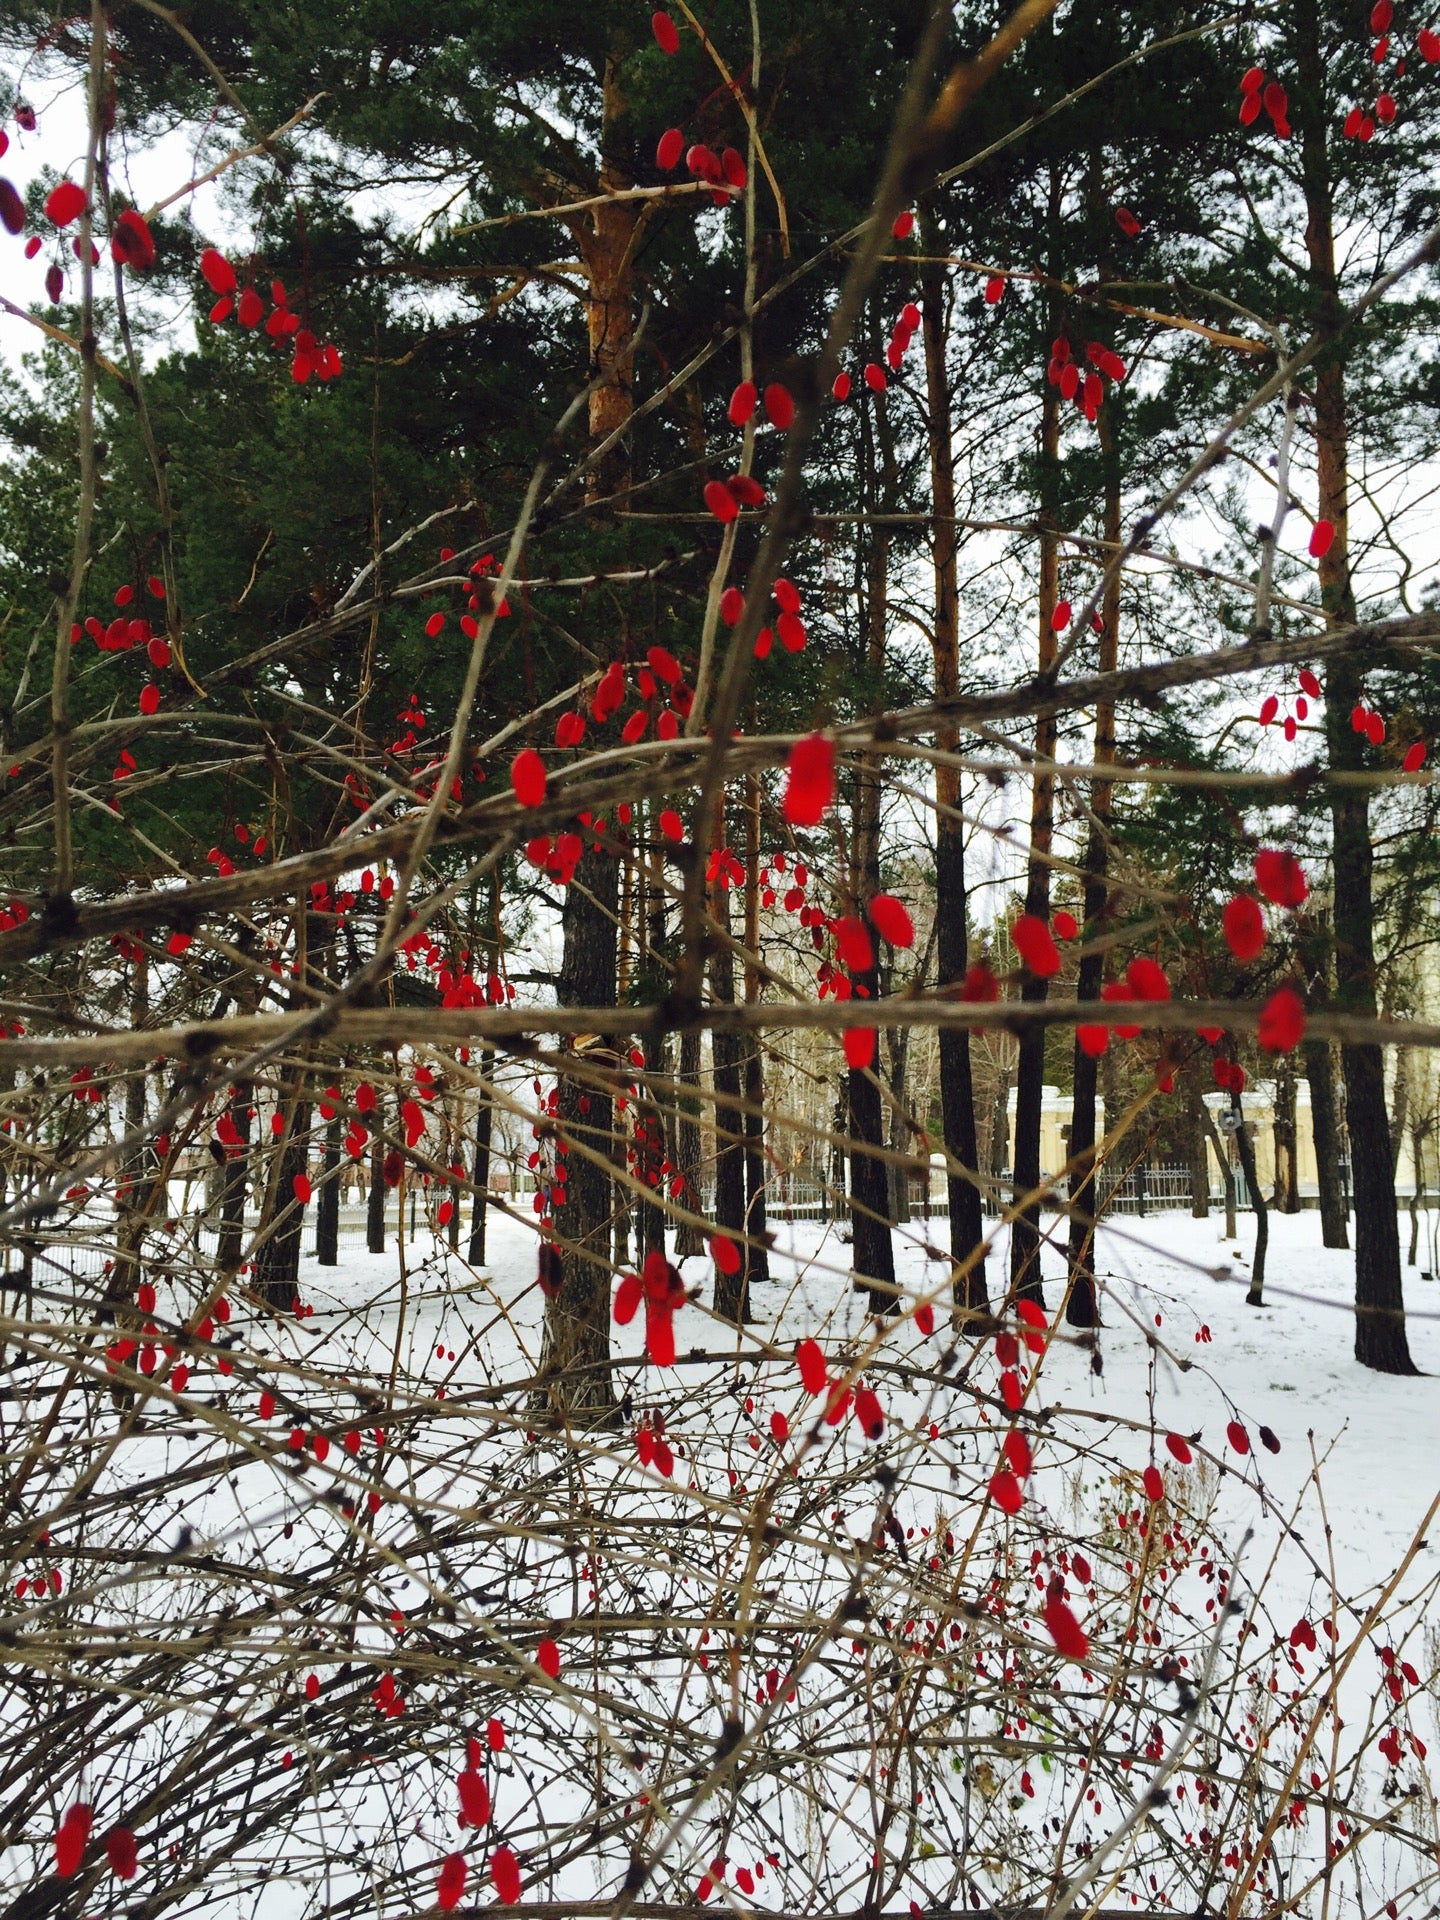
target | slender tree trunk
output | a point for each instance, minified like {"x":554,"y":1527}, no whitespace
{"x":1380,"y":1340}
{"x":282,"y":1221}
{"x":732,"y":1300}
{"x":1287,"y":1171}
{"x":1400,"y":1102}
{"x":1030,"y":1071}
{"x":455,"y":1145}
{"x":375,"y":1192}
{"x":1418,"y":1133}
{"x":896,"y":1048}
{"x":1320,"y":1073}
{"x":1195,"y":1145}
{"x":575,"y":1345}
{"x":840,"y":1128}
{"x":688,"y":1238}
{"x":873,"y":1247}
{"x":327,"y":1187}
{"x":480,"y":1165}
{"x":237,"y":1174}
{"x":757,"y":1254}
{"x":1255,"y":1296}
{"x":624,"y":1143}
{"x":485,"y":1108}
{"x":1325,"y":1130}
{"x":1227,"y":1173}
{"x":957,"y":1092}
{"x":605,"y":235}
{"x":874,"y":1251}
{"x":1000,"y":1132}
{"x":650,"y":1141}
{"x":277,"y":1259}
{"x":134,"y":1208}
{"x":327,"y":1200}
{"x":1083,"y":1306}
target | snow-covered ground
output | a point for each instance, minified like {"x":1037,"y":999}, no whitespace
{"x":1288,"y":1365}
{"x":443,"y":1352}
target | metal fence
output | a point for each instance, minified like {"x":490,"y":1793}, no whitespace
{"x":805,"y":1196}
{"x":1152,"y":1189}
{"x":1158,"y":1188}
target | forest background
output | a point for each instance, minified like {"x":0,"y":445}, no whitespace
{"x":622,"y":634}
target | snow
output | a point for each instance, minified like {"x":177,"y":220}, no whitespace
{"x":1288,"y":1365}
{"x":462,"y":1464}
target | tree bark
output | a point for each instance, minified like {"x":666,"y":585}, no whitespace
{"x":575,"y":1345}
{"x":1255,"y":1296}
{"x":872,"y":1245}
{"x":1227,"y":1173}
{"x":732,"y":1300}
{"x":277,"y":1259}
{"x":1399,"y":1103}
{"x":1380,"y":1339}
{"x":282,"y":1221}
{"x":957,"y":1091}
{"x":1082,"y":1307}
{"x":1195,"y":1144}
{"x":1000,"y":1133}
{"x":894,"y":1045}
{"x":327,"y":1200}
{"x":375,"y":1192}
{"x":480,"y":1165}
{"x":1030,"y":1071}
{"x":1325,"y":1130}
{"x":757,"y":1249}
{"x":1418,"y":1132}
{"x":1287,"y":1173}
{"x":605,"y":236}
{"x":485,"y":1107}
{"x":651,"y":1151}
{"x":231,"y":1237}
{"x":688,"y":1238}
{"x":623,"y":1141}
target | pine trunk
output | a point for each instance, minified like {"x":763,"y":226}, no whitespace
{"x":605,"y":235}
{"x":1195,"y":1144}
{"x":327,"y":1200}
{"x":375,"y":1193}
{"x":757,"y":1253}
{"x":894,"y":1044}
{"x":1082,"y":1308}
{"x":277,"y":1259}
{"x":1380,"y":1340}
{"x":1000,"y":1132}
{"x":731,"y":1294}
{"x":957,"y":1091}
{"x":237,"y":1173}
{"x":688,"y":1238}
{"x":1245,"y":1146}
{"x":575,"y":1346}
{"x":651,"y":1146}
{"x":282,"y":1220}
{"x":480,"y":1164}
{"x":1325,"y":1130}
{"x":1227,"y":1173}
{"x":872,"y":1244}
{"x":1030,"y":1071}
{"x":1287,"y":1173}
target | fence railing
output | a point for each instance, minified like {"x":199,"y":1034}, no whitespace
{"x":85,"y":1249}
{"x":1154,"y":1189}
